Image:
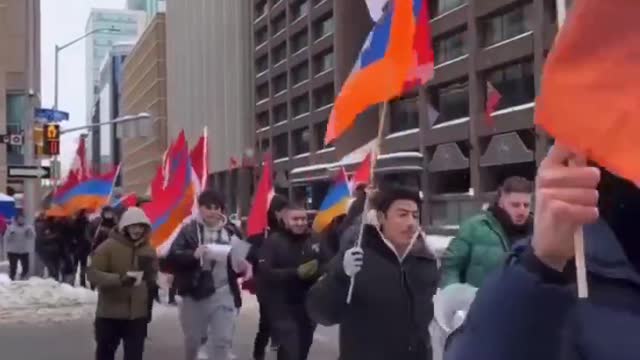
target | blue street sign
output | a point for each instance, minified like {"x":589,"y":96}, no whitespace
{"x":51,"y":115}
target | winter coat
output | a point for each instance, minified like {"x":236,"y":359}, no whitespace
{"x":479,"y":247}
{"x":551,"y":322}
{"x":109,"y":263}
{"x":190,"y":279}
{"x":391,"y":307}
{"x":281,"y":255}
{"x":19,"y":239}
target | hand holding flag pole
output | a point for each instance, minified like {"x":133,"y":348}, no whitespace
{"x":367,"y":203}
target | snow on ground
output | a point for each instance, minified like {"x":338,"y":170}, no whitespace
{"x":43,"y":300}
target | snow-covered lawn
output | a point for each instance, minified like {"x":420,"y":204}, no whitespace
{"x":43,"y":300}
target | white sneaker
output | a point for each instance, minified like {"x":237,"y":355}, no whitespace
{"x":202,"y":353}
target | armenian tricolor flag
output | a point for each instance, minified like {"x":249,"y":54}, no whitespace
{"x":84,"y":194}
{"x":336,"y":202}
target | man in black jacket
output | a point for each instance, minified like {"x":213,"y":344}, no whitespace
{"x":290,"y":265}
{"x":391,"y":307}
{"x":207,"y":257}
{"x":258,"y":283}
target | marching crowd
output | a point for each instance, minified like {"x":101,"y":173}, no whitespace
{"x":373,"y":272}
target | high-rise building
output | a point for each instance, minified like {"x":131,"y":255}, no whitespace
{"x":150,"y":7}
{"x":209,"y":62}
{"x":439,"y":136}
{"x":19,"y":77}
{"x":144,"y":90}
{"x":126,"y":26}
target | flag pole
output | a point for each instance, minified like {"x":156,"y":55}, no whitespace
{"x":367,"y":203}
{"x":578,"y":238}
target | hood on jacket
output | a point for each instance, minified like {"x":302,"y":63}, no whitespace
{"x":133,"y":215}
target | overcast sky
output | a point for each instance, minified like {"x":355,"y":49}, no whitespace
{"x":63,"y":21}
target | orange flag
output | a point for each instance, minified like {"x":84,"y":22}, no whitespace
{"x":589,"y":97}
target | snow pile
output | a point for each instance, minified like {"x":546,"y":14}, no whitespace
{"x":43,"y":300}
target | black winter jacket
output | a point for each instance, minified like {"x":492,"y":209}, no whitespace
{"x":391,"y":308}
{"x":189,"y":277}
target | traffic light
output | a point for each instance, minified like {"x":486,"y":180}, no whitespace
{"x":52,"y":139}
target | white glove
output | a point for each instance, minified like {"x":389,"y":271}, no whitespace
{"x":352,"y":261}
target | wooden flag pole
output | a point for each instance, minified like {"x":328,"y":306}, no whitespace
{"x":578,"y":238}
{"x":367,"y":202}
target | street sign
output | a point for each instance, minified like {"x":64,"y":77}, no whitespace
{"x":29,"y":172}
{"x":51,"y":115}
{"x":52,"y":139}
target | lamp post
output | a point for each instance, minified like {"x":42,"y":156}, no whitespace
{"x":59,"y":48}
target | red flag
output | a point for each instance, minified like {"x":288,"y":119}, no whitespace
{"x":257,"y":220}
{"x":199,"y":160}
{"x":362,"y":175}
{"x":157,"y":184}
{"x":493,"y":99}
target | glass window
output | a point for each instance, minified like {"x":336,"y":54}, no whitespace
{"x":300,"y":73}
{"x":319,"y":131}
{"x":300,"y":105}
{"x":439,"y":7}
{"x":280,"y":113}
{"x":322,"y":27}
{"x":16,"y":110}
{"x":515,"y":83}
{"x":323,"y":62}
{"x":300,"y":138}
{"x":404,"y":115}
{"x":452,"y":101}
{"x":279,"y":53}
{"x":262,"y":64}
{"x":260,"y":9}
{"x":281,"y":146}
{"x":299,"y":9}
{"x":261,"y":36}
{"x":323,"y":96}
{"x":264,"y":145}
{"x":262,"y":92}
{"x":450,"y":46}
{"x":279,"y":23}
{"x":299,"y":41}
{"x":280,"y":83}
{"x":262,"y":120}
{"x":507,"y":25}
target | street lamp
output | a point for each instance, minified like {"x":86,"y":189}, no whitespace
{"x":62,"y":47}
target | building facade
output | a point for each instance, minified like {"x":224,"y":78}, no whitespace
{"x":144,"y":90}
{"x":127,"y":26}
{"x":19,"y":77}
{"x":150,"y":7}
{"x":439,"y":136}
{"x":104,"y":144}
{"x":209,"y":76}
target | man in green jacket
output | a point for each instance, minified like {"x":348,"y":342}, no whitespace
{"x":123,"y":268}
{"x":484,"y":240}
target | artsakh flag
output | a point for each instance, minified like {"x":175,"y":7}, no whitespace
{"x":589,"y":94}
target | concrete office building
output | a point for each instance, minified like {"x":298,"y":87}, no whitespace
{"x":128,"y":25}
{"x":104,"y":144}
{"x":209,"y":62}
{"x":19,"y":76}
{"x":436,"y":136}
{"x":144,"y":90}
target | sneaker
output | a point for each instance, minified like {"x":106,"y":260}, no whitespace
{"x":202,"y":353}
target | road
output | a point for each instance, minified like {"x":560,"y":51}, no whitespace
{"x":58,"y":339}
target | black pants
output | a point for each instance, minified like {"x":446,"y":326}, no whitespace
{"x":110,"y":332}
{"x":13,"y":265}
{"x":80,"y":261}
{"x":294,"y":334}
{"x":264,"y":332}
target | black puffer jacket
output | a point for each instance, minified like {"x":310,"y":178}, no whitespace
{"x":391,"y":307}
{"x":189,"y":277}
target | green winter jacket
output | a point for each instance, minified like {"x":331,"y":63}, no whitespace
{"x":480,"y":247}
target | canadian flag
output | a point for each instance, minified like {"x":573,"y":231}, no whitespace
{"x":257,"y":220}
